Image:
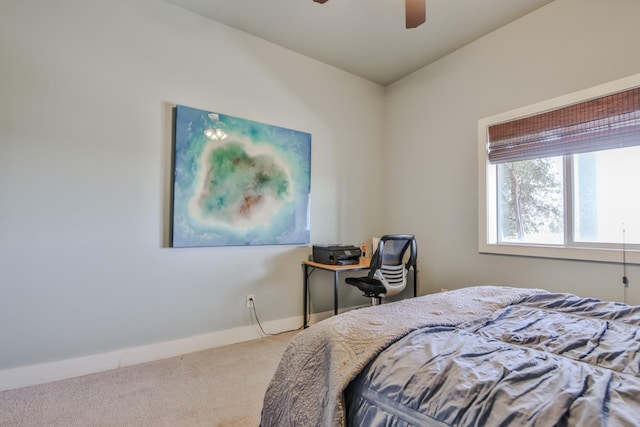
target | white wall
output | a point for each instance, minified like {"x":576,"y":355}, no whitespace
{"x":86,"y":90}
{"x":563,"y":47}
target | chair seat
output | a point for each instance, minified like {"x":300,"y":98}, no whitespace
{"x":371,"y":287}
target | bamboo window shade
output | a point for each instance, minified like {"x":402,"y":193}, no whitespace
{"x":611,"y":121}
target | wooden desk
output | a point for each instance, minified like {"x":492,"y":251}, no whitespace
{"x":309,"y":267}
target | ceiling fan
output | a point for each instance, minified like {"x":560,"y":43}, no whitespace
{"x":415,"y":12}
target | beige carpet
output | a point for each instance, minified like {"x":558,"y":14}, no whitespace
{"x":218,"y":387}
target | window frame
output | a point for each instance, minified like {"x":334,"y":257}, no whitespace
{"x":487,"y":197}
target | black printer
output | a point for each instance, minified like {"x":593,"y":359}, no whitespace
{"x":336,"y":254}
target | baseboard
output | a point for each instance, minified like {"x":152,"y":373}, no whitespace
{"x":53,"y":371}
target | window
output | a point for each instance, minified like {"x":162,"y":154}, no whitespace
{"x":560,"y":179}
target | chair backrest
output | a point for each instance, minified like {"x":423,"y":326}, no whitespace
{"x":392,"y":259}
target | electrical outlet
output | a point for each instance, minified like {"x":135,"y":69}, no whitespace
{"x":443,"y":289}
{"x":250,"y":299}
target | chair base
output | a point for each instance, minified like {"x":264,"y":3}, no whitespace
{"x":375,"y":299}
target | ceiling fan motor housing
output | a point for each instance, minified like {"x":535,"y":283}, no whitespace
{"x":415,"y":12}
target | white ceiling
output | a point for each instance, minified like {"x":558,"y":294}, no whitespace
{"x":365,"y":37}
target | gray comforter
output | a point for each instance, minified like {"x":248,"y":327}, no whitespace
{"x":550,"y":360}
{"x":320,"y":362}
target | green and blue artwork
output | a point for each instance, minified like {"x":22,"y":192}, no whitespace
{"x":238,"y":182}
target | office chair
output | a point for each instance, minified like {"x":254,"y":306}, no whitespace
{"x":390,"y":263}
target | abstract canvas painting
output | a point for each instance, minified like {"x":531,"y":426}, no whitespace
{"x":238,"y":182}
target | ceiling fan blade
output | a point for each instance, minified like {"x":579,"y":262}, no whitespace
{"x":416,"y":12}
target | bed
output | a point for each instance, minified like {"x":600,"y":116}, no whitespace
{"x":482,"y":355}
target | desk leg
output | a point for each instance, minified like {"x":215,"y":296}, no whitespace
{"x":335,"y":292}
{"x":305,"y":293}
